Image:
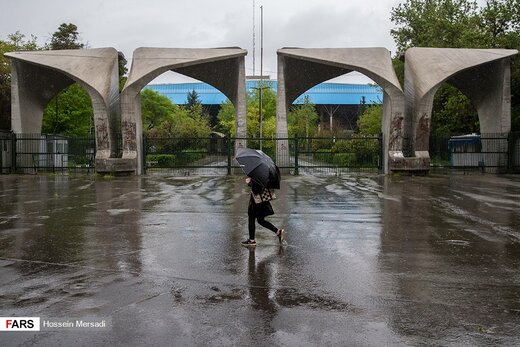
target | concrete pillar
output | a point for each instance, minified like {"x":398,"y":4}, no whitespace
{"x":282,"y":144}
{"x":240,"y":104}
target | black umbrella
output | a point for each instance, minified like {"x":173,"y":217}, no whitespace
{"x":259,"y":166}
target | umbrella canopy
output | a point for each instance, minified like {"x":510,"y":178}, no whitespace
{"x":259,"y":166}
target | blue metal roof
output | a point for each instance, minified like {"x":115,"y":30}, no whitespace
{"x":324,"y":93}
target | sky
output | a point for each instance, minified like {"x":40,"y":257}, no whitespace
{"x":127,"y":25}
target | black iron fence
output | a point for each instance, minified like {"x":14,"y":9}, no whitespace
{"x":34,"y":153}
{"x":214,"y":155}
{"x":185,"y":156}
{"x":497,"y":152}
{"x":339,"y":154}
{"x":6,"y":152}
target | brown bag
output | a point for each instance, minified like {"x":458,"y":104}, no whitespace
{"x":265,"y":195}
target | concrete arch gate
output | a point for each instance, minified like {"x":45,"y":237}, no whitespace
{"x":36,"y":77}
{"x":299,"y":69}
{"x":223,"y":68}
{"x":482,"y":74}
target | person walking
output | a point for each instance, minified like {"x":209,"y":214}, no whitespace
{"x":259,"y":212}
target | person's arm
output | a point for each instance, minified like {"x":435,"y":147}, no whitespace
{"x":256,"y":188}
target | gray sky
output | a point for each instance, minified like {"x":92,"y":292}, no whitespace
{"x":126,"y":25}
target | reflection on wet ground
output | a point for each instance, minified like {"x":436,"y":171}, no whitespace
{"x":370,"y":260}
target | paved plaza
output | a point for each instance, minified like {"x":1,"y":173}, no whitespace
{"x":370,"y":261}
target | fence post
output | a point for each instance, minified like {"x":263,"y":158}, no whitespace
{"x":510,"y":151}
{"x":144,"y":154}
{"x":228,"y":141}
{"x":381,"y":152}
{"x":13,"y":152}
{"x":296,"y":154}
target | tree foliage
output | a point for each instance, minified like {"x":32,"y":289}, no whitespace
{"x":14,"y":42}
{"x":195,"y":108}
{"x":226,"y":115}
{"x":369,"y":123}
{"x":155,"y":109}
{"x":435,"y":23}
{"x":302,"y":119}
{"x":70,"y":111}
{"x":162,"y":118}
{"x":122,"y":69}
{"x":73,"y":115}
{"x":66,"y":37}
{"x":459,"y":24}
{"x":192,"y":99}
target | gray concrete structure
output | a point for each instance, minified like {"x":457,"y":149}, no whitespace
{"x":301,"y":68}
{"x":37,"y":76}
{"x":483,"y":75}
{"x":223,"y":68}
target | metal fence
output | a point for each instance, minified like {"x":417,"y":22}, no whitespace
{"x":494,"y":153}
{"x":35,"y":153}
{"x":214,"y":155}
{"x":338,"y":154}
{"x":6,"y":152}
{"x":186,"y":156}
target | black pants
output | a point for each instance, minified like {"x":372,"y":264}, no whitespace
{"x":262,"y":222}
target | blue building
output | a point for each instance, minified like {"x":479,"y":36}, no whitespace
{"x":337,"y":104}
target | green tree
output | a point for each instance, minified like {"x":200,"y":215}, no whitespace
{"x":454,"y":113}
{"x":302,"y":119}
{"x":226,"y":118}
{"x":14,"y":42}
{"x":66,"y":37}
{"x":195,"y":108}
{"x":123,"y":70}
{"x":73,"y":116}
{"x":458,"y":24}
{"x":155,"y":109}
{"x":435,"y":23}
{"x":162,"y":118}
{"x":192,"y":100}
{"x":370,"y":121}
{"x":70,"y":111}
{"x":226,"y":115}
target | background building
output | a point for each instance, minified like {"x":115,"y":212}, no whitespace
{"x":337,"y":104}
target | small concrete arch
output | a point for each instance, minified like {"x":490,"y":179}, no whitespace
{"x":301,"y":68}
{"x":483,"y":75}
{"x":223,"y":68}
{"x":37,"y":76}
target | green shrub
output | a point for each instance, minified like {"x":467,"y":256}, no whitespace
{"x":344,"y":159}
{"x":160,"y":160}
{"x":189,"y":157}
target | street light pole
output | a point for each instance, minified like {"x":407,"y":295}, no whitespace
{"x":254,"y":38}
{"x":261,"y":67}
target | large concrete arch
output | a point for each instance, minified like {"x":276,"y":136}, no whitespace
{"x":37,"y":76}
{"x":301,"y":68}
{"x":481,"y":74}
{"x":224,"y":68}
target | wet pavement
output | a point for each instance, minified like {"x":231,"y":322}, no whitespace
{"x":370,"y":261}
